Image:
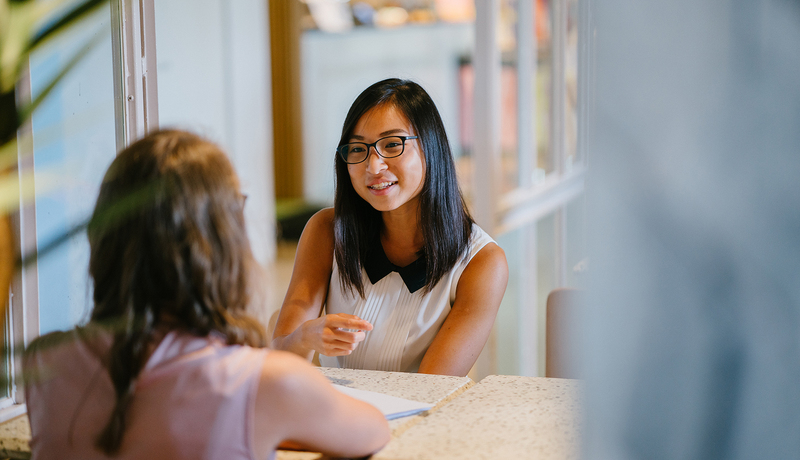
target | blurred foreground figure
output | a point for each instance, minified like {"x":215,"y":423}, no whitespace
{"x":692,"y":347}
{"x":170,"y":365}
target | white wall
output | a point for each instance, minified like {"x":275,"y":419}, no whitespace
{"x":214,"y":79}
{"x":336,"y":68}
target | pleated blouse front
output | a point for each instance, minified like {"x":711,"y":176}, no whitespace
{"x":404,"y":323}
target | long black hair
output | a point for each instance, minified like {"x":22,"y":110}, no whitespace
{"x":168,"y":250}
{"x":443,"y":216}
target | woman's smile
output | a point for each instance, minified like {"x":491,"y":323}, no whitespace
{"x":382,"y":185}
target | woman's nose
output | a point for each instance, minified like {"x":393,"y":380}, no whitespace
{"x":375,"y":163}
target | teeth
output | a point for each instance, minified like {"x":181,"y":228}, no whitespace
{"x":381,"y":186}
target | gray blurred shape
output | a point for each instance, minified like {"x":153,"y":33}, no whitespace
{"x":691,"y":343}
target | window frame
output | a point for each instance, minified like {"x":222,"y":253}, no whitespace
{"x":22,"y":314}
{"x":501,"y":213}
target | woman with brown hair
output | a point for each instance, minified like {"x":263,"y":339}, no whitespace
{"x":170,"y":365}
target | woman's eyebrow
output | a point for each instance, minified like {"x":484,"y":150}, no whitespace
{"x":385,"y":133}
{"x":392,"y":131}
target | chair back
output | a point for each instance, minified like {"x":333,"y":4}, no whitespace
{"x":563,"y":307}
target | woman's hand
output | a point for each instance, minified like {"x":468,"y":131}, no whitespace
{"x":334,"y":335}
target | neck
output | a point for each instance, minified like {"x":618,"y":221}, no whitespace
{"x":401,"y":235}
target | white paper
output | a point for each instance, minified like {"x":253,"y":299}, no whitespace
{"x":392,"y":407}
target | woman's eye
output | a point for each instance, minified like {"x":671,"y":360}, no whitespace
{"x":356,"y":149}
{"x":392,"y":145}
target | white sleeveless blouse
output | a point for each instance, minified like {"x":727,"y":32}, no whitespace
{"x":404,"y":323}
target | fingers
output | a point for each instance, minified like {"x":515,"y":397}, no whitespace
{"x":345,"y":321}
{"x":331,"y":335}
{"x":339,"y":342}
{"x":350,"y":336}
{"x":338,"y":348}
{"x":338,"y":334}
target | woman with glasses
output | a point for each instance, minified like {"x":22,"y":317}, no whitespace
{"x":406,"y":279}
{"x":170,"y":365}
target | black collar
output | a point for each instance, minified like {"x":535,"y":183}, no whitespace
{"x":378,"y":266}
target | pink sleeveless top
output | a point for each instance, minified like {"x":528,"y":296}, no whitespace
{"x":193,"y":400}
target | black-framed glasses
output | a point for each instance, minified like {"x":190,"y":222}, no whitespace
{"x":387,"y":147}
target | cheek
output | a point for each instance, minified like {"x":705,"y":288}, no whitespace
{"x":353,"y":173}
{"x":356,"y":180}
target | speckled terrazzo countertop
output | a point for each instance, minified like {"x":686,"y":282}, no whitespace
{"x":502,"y":417}
{"x":15,"y":435}
{"x":431,"y":389}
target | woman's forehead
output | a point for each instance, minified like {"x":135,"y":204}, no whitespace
{"x":381,"y":118}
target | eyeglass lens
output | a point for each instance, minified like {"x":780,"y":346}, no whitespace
{"x":388,"y":147}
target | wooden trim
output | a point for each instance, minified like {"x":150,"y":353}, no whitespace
{"x":287,"y":118}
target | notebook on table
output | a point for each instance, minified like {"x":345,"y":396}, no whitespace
{"x":392,"y":407}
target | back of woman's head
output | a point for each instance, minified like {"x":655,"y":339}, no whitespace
{"x":167,"y":235}
{"x":169,"y":250}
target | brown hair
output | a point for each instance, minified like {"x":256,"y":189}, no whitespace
{"x":168,"y":250}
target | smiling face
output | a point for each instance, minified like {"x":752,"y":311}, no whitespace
{"x":388,"y":184}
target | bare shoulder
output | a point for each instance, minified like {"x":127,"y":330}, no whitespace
{"x":283,"y":370}
{"x":485,"y":274}
{"x":321,"y":223}
{"x":490,"y":259}
{"x":317,"y":237}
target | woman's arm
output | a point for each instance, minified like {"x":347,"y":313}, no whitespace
{"x":464,"y":333}
{"x":296,"y":403}
{"x":299,"y":328}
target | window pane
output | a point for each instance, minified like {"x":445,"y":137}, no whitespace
{"x":571,"y":84}
{"x":511,"y":328}
{"x":576,"y":251}
{"x":525,"y":107}
{"x":74,"y":141}
{"x":530,"y":251}
{"x":510,"y":149}
{"x":546,"y":279}
{"x":542,"y":19}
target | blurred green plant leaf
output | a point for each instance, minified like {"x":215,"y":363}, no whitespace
{"x":8,"y":154}
{"x":25,"y":25}
{"x":78,"y":12}
{"x":15,"y":189}
{"x":18,"y":21}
